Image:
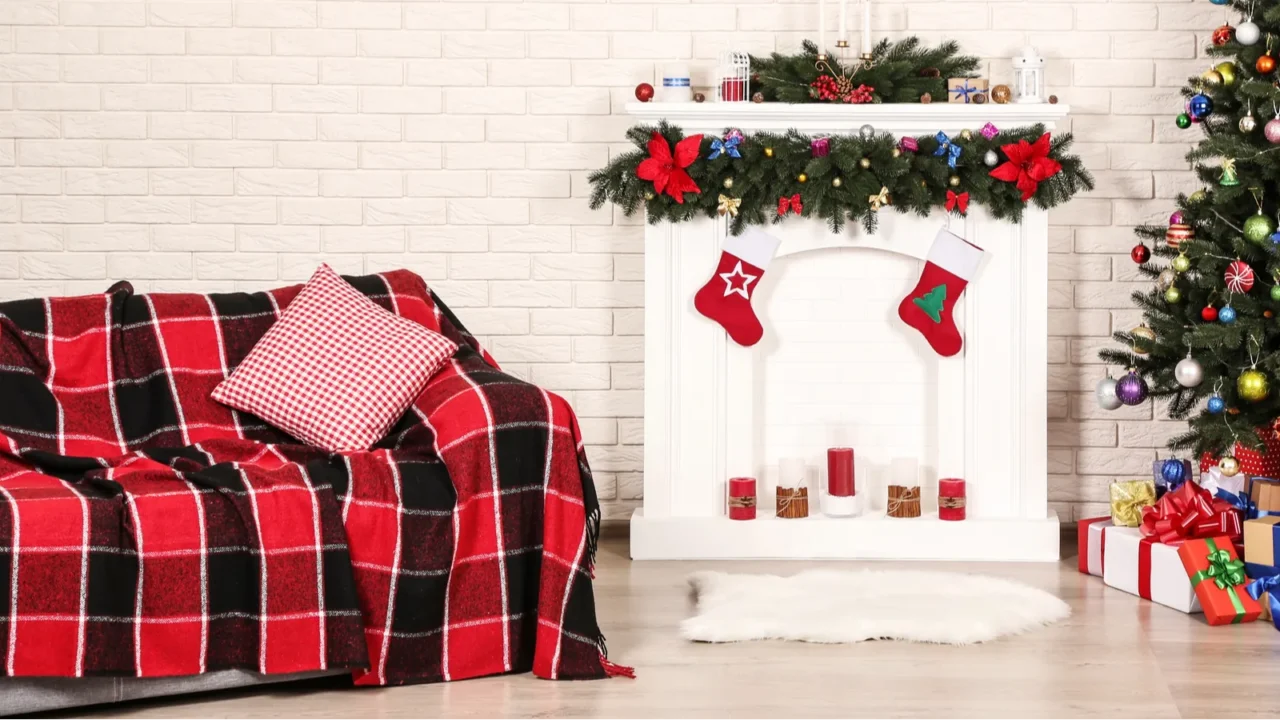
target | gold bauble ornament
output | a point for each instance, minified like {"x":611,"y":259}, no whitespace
{"x":768,"y":152}
{"x":1252,"y":385}
{"x":648,"y":195}
{"x":954,"y":181}
{"x":802,"y":178}
{"x":864,"y":163}
{"x":966,"y":134}
{"x":1143,"y":338}
{"x":728,"y":183}
{"x":897,"y":152}
{"x":836,"y":182}
{"x":1212,"y":78}
{"x":1197,"y":196}
{"x":1181,"y":264}
{"x":1001,"y":94}
{"x":1173,"y":295}
{"x":1229,"y":466}
{"x":1227,"y":71}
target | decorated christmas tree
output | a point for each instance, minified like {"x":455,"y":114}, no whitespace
{"x":1207,"y":349}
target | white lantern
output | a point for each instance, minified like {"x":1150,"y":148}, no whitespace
{"x":733,"y":77}
{"x":1028,"y":76}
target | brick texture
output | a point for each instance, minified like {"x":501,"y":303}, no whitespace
{"x":222,"y":144}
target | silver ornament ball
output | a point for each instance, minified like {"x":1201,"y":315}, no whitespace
{"x":1106,"y":394}
{"x":1166,"y":279}
{"x":1248,"y":124}
{"x":991,"y":159}
{"x":867,"y":132}
{"x":1188,"y":372}
{"x":1248,"y":33}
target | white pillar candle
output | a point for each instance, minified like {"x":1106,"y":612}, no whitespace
{"x":676,"y":85}
{"x":822,"y":26}
{"x":866,"y":27}
{"x":791,"y":472}
{"x":844,"y":20}
{"x":904,"y":471}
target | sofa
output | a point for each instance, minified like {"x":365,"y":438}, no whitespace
{"x":147,"y":531}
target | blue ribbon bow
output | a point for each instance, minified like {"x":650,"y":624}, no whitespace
{"x":964,"y":90}
{"x":720,"y":147}
{"x":1240,"y":501}
{"x":946,"y":147}
{"x":1271,"y":586}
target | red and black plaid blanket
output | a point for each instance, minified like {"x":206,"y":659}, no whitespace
{"x":147,"y":530}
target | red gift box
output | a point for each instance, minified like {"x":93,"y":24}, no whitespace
{"x":1091,"y":544}
{"x":1217,"y":574}
{"x":742,"y":498}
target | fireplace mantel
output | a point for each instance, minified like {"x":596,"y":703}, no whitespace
{"x":715,"y":410}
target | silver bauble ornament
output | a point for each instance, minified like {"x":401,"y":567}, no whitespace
{"x":1248,"y":124}
{"x":1248,"y":33}
{"x":991,"y":159}
{"x":867,"y":132}
{"x":1166,"y":279}
{"x":1188,"y":372}
{"x":1106,"y":394}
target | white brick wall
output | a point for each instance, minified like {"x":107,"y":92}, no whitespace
{"x":223,"y":144}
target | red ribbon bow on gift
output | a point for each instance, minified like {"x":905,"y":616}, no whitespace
{"x":1189,"y":512}
{"x":961,"y":201}
{"x":790,"y":203}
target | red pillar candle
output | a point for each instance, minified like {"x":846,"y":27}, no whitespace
{"x":951,"y":499}
{"x":742,"y":498}
{"x":840,"y":472}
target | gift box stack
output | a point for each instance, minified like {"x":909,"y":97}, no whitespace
{"x":1211,"y":546}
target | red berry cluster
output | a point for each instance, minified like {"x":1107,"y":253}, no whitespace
{"x":824,"y":88}
{"x":860,"y":95}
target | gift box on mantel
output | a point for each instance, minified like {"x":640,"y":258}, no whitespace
{"x":967,"y":90}
{"x":1218,"y":577}
{"x":1090,"y":542}
{"x":1146,"y":568}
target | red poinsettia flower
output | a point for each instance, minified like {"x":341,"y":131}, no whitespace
{"x":1029,"y":165}
{"x":667,"y":172}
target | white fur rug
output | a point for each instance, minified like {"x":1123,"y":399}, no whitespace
{"x":843,"y":606}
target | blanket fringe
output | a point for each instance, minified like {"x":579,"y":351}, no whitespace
{"x":615,"y":670}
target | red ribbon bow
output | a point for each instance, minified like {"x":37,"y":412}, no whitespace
{"x":1189,"y":512}
{"x":666,"y":171}
{"x":790,"y":203}
{"x":961,"y":201}
{"x":1029,"y":165}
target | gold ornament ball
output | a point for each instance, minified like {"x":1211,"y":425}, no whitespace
{"x":1197,"y":196}
{"x":768,"y":152}
{"x":802,"y":178}
{"x":1252,"y":385}
{"x":648,"y":195}
{"x":1173,"y":295}
{"x":1229,"y":466}
{"x":1001,"y":94}
{"x":954,"y":181}
{"x":1212,"y":78}
{"x":1227,"y":71}
{"x":728,"y":183}
{"x":836,"y":182}
{"x":897,"y":152}
{"x":864,"y":163}
{"x":1182,"y":263}
{"x":967,"y":134}
{"x":1143,"y":338}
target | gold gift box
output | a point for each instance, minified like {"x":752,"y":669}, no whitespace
{"x":1128,"y":497}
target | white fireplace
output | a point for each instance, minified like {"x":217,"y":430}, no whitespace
{"x":837,"y":367}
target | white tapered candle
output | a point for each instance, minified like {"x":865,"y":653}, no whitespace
{"x":822,"y":26}
{"x":844,"y":20}
{"x":866,"y":26}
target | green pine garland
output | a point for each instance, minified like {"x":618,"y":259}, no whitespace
{"x":917,"y":182}
{"x":900,"y":72}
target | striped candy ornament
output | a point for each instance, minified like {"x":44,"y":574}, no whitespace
{"x":1239,"y":277}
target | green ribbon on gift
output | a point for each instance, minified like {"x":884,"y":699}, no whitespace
{"x":1226,"y":573}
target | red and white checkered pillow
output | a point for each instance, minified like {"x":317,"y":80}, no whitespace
{"x":336,"y":370}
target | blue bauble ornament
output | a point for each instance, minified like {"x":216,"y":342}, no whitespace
{"x":1227,"y":315}
{"x":1217,"y":404}
{"x":1275,"y":238}
{"x":1200,"y":107}
{"x":1173,"y":472}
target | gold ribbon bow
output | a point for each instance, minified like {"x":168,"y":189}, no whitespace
{"x":1127,"y":500}
{"x":729,"y":205}
{"x":880,"y":199}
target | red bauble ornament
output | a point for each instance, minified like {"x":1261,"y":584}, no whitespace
{"x":1209,"y":314}
{"x":1140,"y":253}
{"x":1222,"y":35}
{"x":1265,"y":64}
{"x":1239,"y":277}
{"x":644,"y":92}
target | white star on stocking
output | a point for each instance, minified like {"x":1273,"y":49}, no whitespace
{"x":730,"y":284}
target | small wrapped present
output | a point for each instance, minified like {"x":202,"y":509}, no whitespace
{"x":1189,"y":512}
{"x":1264,"y":586}
{"x":1090,"y":543}
{"x":1265,"y":496}
{"x":966,"y":90}
{"x":1143,"y":567}
{"x":1217,"y":575}
{"x":1262,"y":540}
{"x":1128,"y":498}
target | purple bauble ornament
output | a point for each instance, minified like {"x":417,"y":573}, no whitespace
{"x":1131,"y":389}
{"x":1176,"y":218}
{"x":1272,"y":131}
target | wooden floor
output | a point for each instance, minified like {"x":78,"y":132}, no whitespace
{"x":1118,"y":656}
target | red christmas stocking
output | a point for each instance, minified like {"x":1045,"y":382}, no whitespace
{"x":952,"y":262}
{"x":726,"y":298}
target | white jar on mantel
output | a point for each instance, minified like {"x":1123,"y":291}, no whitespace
{"x":676,"y":83}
